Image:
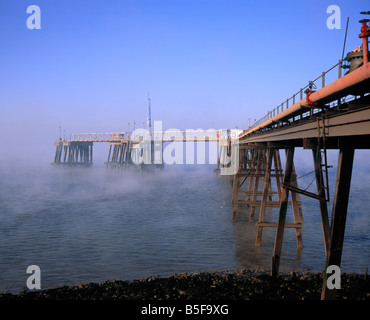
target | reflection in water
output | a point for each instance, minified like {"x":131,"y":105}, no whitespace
{"x":250,"y":256}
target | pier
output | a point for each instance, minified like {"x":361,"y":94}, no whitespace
{"x":139,"y":148}
{"x":336,"y":116}
{"x":318,"y":117}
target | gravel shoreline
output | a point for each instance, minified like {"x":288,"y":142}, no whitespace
{"x":242,"y":285}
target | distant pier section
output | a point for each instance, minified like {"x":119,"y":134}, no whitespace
{"x":140,"y":148}
{"x":78,"y":150}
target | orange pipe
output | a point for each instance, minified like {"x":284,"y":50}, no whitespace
{"x":329,"y":93}
{"x":365,"y":50}
{"x":364,"y":35}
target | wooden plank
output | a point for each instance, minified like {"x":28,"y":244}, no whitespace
{"x":275,"y":224}
{"x":259,"y":193}
{"x":272,"y":204}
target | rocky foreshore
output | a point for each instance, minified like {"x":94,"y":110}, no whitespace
{"x":242,"y":285}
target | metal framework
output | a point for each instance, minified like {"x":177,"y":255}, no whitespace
{"x":335,"y":117}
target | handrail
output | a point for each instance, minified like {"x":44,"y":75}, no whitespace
{"x":199,"y":134}
{"x":280,"y":107}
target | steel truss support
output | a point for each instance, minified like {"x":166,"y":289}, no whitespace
{"x":339,"y":215}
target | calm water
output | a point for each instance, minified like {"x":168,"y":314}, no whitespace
{"x":89,"y":225}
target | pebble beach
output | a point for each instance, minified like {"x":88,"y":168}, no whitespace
{"x":241,"y":285}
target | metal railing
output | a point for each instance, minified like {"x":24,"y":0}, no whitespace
{"x":292,"y":100}
{"x":106,"y":136}
{"x":172,"y":134}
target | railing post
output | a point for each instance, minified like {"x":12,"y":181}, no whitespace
{"x":340,"y":69}
{"x":301,"y":94}
{"x":339,"y":74}
{"x":323,"y":80}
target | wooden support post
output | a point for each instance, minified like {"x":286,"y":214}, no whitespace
{"x":224,"y":157}
{"x":266,"y":189}
{"x":256,"y":182}
{"x":273,"y":155}
{"x":244,"y":163}
{"x":252,"y":167}
{"x":236,"y":189}
{"x":109,"y":153}
{"x":70,"y":154}
{"x":295,"y":206}
{"x":65,"y":154}
{"x":121,"y":153}
{"x":81,"y":149}
{"x":339,"y":215}
{"x":115,"y":152}
{"x":296,"y":195}
{"x":218,"y":158}
{"x":322,"y":202}
{"x":126,"y":155}
{"x":282,"y":213}
{"x":58,"y":152}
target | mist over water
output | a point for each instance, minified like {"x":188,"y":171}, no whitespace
{"x":92,"y":224}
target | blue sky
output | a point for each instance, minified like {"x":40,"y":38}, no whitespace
{"x":206,"y":63}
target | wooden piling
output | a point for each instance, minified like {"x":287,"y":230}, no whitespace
{"x":273,"y":157}
{"x":282,"y":212}
{"x":256,"y":182}
{"x":265,"y":193}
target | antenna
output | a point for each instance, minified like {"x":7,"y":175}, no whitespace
{"x":345,"y":39}
{"x":150,"y":115}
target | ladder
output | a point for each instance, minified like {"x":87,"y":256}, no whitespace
{"x":323,"y":159}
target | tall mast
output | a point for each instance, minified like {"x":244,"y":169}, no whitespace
{"x":150,"y":115}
